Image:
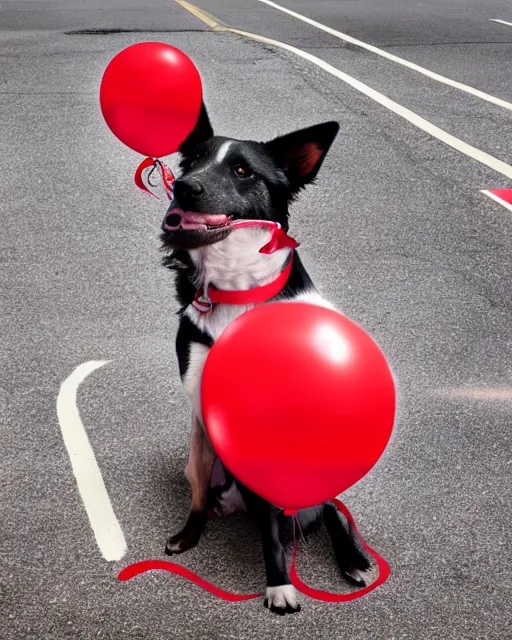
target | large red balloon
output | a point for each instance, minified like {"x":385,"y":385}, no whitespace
{"x":298,"y":402}
{"x":150,"y":97}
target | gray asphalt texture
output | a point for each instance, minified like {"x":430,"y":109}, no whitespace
{"x":396,"y":234}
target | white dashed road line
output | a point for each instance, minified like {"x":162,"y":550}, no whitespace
{"x":509,"y":24}
{"x":105,"y":526}
{"x":383,"y":53}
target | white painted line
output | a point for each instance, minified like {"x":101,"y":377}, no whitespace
{"x":107,"y":531}
{"x":509,"y":24}
{"x":497,"y":199}
{"x":407,"y":114}
{"x":381,"y":52}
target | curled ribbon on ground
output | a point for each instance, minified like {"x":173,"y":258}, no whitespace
{"x":137,"y":568}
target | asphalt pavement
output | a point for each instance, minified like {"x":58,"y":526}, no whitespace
{"x":396,"y":233}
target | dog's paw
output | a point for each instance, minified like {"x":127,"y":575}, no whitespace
{"x":357,"y":569}
{"x":182,"y":541}
{"x":189,"y":536}
{"x":282,"y":599}
{"x":357,"y":577}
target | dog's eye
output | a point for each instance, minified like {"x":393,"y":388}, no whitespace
{"x":243,"y":171}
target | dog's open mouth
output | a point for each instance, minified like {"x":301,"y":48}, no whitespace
{"x":176,"y":219}
{"x":191,"y":230}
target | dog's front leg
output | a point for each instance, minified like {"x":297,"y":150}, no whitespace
{"x":280,"y":596}
{"x":198,"y":472}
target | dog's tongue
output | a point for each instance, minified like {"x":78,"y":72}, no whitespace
{"x":199,"y":220}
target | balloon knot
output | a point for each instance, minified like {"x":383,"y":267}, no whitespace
{"x":290,"y":512}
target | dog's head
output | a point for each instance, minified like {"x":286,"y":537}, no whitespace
{"x":223,"y":179}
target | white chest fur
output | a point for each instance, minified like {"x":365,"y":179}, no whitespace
{"x":233,"y":264}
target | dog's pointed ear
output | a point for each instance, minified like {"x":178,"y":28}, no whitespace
{"x":301,"y":153}
{"x":200,"y":133}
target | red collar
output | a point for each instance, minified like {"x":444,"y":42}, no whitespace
{"x":257,"y":295}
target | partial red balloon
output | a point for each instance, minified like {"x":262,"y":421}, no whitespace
{"x":298,"y":401}
{"x":150,"y":97}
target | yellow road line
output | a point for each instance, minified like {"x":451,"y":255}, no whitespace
{"x":205,"y":17}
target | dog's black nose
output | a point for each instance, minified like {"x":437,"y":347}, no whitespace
{"x":172,"y":219}
{"x":186,"y":190}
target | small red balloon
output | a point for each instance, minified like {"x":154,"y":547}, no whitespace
{"x":298,"y":401}
{"x":150,"y":97}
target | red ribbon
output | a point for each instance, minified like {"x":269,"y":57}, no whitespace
{"x":327,"y":596}
{"x":133,"y":570}
{"x":165,"y":174}
{"x":150,"y":565}
{"x":279,"y":238}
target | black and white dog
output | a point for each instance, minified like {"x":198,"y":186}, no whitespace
{"x":221,"y":181}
